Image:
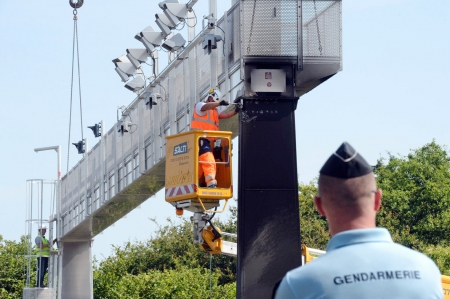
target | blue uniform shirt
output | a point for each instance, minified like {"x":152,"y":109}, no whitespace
{"x":364,"y":263}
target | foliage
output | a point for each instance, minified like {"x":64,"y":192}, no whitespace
{"x":440,"y":255}
{"x":182,"y":282}
{"x":416,"y":196}
{"x":313,"y":227}
{"x":12,"y":271}
{"x":170,"y":252}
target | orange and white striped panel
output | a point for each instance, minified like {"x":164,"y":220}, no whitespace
{"x":181,"y":190}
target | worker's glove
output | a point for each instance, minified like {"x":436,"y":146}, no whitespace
{"x":223,"y":103}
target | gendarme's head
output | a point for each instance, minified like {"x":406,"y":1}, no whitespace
{"x":345,"y":163}
{"x":347,"y":190}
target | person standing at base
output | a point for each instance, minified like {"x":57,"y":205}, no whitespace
{"x":206,"y":117}
{"x":42,"y":252}
{"x":361,"y":261}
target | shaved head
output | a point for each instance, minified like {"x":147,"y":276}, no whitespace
{"x":348,"y":203}
{"x":348,"y":195}
{"x":347,"y":192}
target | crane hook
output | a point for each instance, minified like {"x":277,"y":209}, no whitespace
{"x":76,"y":5}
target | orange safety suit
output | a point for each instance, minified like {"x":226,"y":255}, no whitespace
{"x":207,"y":163}
{"x":209,"y":121}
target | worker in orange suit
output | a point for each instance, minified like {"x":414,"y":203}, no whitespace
{"x":206,"y":117}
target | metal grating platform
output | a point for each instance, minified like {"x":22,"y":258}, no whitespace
{"x":269,"y":28}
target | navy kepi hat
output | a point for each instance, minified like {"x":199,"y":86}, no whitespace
{"x":346,"y":163}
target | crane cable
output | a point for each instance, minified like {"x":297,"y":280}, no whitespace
{"x":251,"y":28}
{"x":317,"y":26}
{"x":75,"y":43}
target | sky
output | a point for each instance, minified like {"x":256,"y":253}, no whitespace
{"x":391,"y":96}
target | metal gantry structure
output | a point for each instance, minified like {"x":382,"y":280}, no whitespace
{"x":270,"y":53}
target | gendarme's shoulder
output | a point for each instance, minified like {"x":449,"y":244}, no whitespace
{"x":403,"y":252}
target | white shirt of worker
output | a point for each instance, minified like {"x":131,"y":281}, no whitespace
{"x":364,"y":263}
{"x":198,"y":108}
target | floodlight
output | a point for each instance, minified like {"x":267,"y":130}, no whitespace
{"x":210,"y":42}
{"x":96,"y":129}
{"x":173,"y":20}
{"x":122,"y":74}
{"x":191,"y":4}
{"x":162,"y":5}
{"x":81,"y":146}
{"x":124,"y":67}
{"x":136,"y":84}
{"x":137,"y":56}
{"x":164,"y":24}
{"x":174,"y":11}
{"x":150,"y":38}
{"x":174,"y":43}
{"x":179,"y":10}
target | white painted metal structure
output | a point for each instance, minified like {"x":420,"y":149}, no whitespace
{"x":123,"y":170}
{"x":40,"y":210}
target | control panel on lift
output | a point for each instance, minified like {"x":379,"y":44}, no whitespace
{"x":184,"y":188}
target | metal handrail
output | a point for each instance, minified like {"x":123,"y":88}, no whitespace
{"x":212,"y":211}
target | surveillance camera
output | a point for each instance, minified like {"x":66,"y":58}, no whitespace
{"x":209,"y":42}
{"x":150,"y":99}
{"x":154,"y":97}
{"x":123,"y":126}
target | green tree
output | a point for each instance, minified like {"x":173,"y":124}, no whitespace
{"x":416,"y":196}
{"x":12,"y":270}
{"x":182,"y":282}
{"x":416,"y":200}
{"x":440,"y":255}
{"x":171,"y":251}
{"x":313,"y":227}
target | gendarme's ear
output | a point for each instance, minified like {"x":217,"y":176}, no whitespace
{"x":318,"y":203}
{"x":377,"y":203}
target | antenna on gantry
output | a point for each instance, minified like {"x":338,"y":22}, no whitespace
{"x":81,"y":144}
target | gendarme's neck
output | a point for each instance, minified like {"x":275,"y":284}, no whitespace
{"x":342,"y":225}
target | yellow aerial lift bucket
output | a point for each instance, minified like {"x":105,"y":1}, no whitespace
{"x":446,"y":286}
{"x":184,"y":188}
